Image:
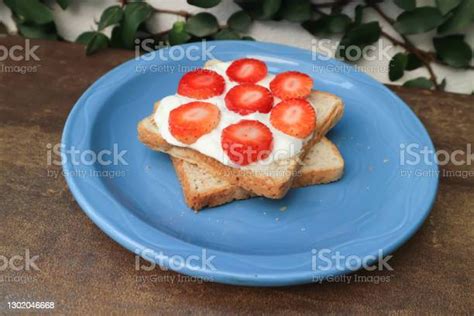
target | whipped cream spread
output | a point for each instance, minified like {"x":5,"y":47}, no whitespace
{"x":284,"y":146}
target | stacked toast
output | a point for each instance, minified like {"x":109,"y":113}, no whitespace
{"x":234,"y":131}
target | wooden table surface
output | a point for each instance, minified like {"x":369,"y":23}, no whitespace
{"x":82,"y":270}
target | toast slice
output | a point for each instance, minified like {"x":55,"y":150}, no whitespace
{"x":271,"y":180}
{"x":322,"y":164}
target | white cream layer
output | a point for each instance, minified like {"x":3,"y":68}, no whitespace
{"x":284,"y":146}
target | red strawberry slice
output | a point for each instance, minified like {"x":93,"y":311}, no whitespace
{"x":249,"y":98}
{"x":291,"y":84}
{"x":247,"y":141}
{"x":190,"y":121}
{"x":201,"y":84}
{"x":247,"y":70}
{"x":295,"y":117}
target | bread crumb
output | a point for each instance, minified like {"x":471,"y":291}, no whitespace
{"x":283,"y":208}
{"x":385,"y":160}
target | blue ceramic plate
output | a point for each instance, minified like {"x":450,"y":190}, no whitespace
{"x":380,"y":202}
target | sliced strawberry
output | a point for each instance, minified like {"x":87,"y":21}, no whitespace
{"x":291,"y":84}
{"x":247,"y":141}
{"x":249,"y":98}
{"x":190,"y":121}
{"x":201,"y":84}
{"x":247,"y":70}
{"x":295,"y":117}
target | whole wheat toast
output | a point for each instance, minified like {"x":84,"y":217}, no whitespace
{"x":322,"y":164}
{"x":271,"y":180}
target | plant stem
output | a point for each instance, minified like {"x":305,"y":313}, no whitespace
{"x":338,"y":3}
{"x":182,"y":13}
{"x":425,"y":57}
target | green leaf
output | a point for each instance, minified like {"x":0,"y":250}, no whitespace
{"x":419,"y":20}
{"x":135,"y":13}
{"x":239,"y":21}
{"x":63,"y":3}
{"x":413,"y":62}
{"x":328,"y":24}
{"x":358,"y":37}
{"x":338,"y":23}
{"x":85,"y":38}
{"x":445,"y":6}
{"x":315,"y":26}
{"x":252,"y":7}
{"x":46,"y":31}
{"x":270,"y":8}
{"x":32,"y":11}
{"x":178,"y":34}
{"x":116,"y":37}
{"x":202,"y":24}
{"x":296,"y":10}
{"x":366,"y":33}
{"x":358,"y":14}
{"x":453,"y":50}
{"x":112,"y":15}
{"x":406,"y":4}
{"x":226,"y":34}
{"x":397,"y":66}
{"x":420,"y":82}
{"x":247,"y":38}
{"x":206,"y":4}
{"x":96,"y":42}
{"x":461,"y":17}
{"x":260,"y":9}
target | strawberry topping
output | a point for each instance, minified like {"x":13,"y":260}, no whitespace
{"x":190,"y":121}
{"x":249,"y":98}
{"x":247,"y":141}
{"x":201,"y":84}
{"x":247,"y":70}
{"x":291,"y":84}
{"x":295,"y":117}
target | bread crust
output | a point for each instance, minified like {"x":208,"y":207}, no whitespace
{"x":226,"y":192}
{"x":211,"y":198}
{"x":321,"y":177}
